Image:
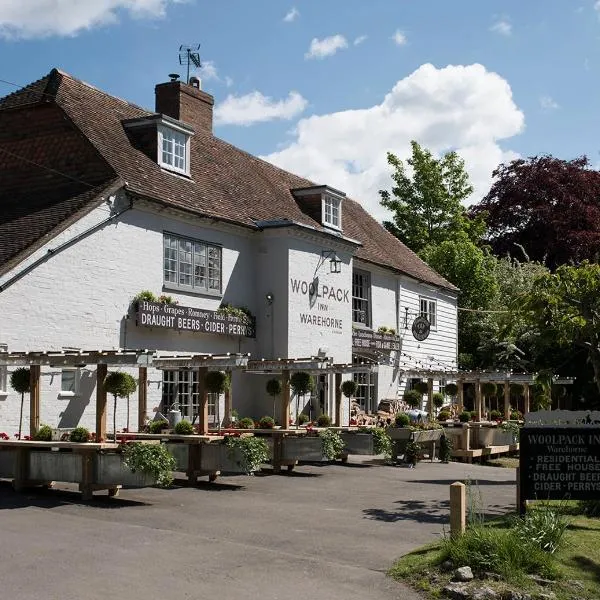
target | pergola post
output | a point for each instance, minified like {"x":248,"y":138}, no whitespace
{"x":101,"y":372}
{"x":525,"y":399}
{"x":228,"y":401}
{"x":478,"y":401}
{"x":460,"y":395}
{"x":285,"y":399}
{"x":507,"y":399}
{"x":430,"y":397}
{"x":338,"y":400}
{"x":34,"y":399}
{"x":142,"y":396}
{"x":202,"y":401}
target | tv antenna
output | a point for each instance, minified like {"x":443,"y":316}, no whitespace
{"x":189,"y":55}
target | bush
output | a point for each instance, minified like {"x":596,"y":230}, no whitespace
{"x":444,"y":415}
{"x":495,"y":415}
{"x":489,"y":388}
{"x":445,"y":448}
{"x":332,"y":444}
{"x":184,"y":427}
{"x":80,"y":435}
{"x":438,"y":399}
{"x":543,"y":526}
{"x":411,"y":453}
{"x":464,"y":416}
{"x":349,"y":388}
{"x":451,"y":389}
{"x":274,"y":387}
{"x":151,"y":459}
{"x":158,"y":426}
{"x":382,"y":444}
{"x":413,"y":398}
{"x":43,"y":434}
{"x":254,"y":451}
{"x":401,"y":420}
{"x":217,"y":382}
{"x":516,"y":415}
{"x":146,"y":295}
{"x":422,"y":387}
{"x":266,"y":423}
{"x":302,"y":418}
{"x":245,"y":423}
{"x":324,"y":420}
{"x":20,"y":380}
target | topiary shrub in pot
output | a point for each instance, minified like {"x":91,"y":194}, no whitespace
{"x":20,"y":380}
{"x":451,"y":390}
{"x":324,"y":420}
{"x":495,"y":415}
{"x":413,"y":398}
{"x":120,"y":385}
{"x":445,"y":452}
{"x":411,"y":453}
{"x":349,"y":388}
{"x":159,"y":426}
{"x":184,"y":427}
{"x":266,"y":422}
{"x":444,"y":415}
{"x":422,"y":387}
{"x":274,"y":389}
{"x":438,"y":399}
{"x":43,"y":434}
{"x":301,"y":383}
{"x":302,"y":418}
{"x":401,"y":420}
{"x":79,"y":435}
{"x":245,"y":423}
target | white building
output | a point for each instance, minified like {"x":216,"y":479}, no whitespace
{"x":101,"y":199}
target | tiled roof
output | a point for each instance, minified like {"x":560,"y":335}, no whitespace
{"x":226,"y":182}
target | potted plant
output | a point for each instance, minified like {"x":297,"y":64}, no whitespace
{"x":445,"y":451}
{"x":184,"y":427}
{"x":266,"y":422}
{"x":438,"y":400}
{"x":245,"y":423}
{"x":274,"y":389}
{"x":20,"y":380}
{"x":43,"y":434}
{"x":324,"y":420}
{"x":489,"y":390}
{"x":332,"y":444}
{"x":413,"y":398}
{"x":302,"y":419}
{"x":411,"y":453}
{"x":158,"y":426}
{"x":465,"y":416}
{"x":217,"y":382}
{"x":248,"y":452}
{"x":120,"y":385}
{"x":152,"y":460}
{"x":301,"y":383}
{"x":80,"y":435}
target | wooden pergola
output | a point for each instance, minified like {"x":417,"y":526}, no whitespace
{"x":312,"y":365}
{"x":204,"y":363}
{"x":102,"y":359}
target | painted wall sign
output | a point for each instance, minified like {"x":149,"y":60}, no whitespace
{"x":560,"y":462}
{"x":363,"y":338}
{"x":187,"y":318}
{"x":421,"y":328}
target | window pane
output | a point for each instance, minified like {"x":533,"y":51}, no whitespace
{"x":67,"y":381}
{"x":360,"y":298}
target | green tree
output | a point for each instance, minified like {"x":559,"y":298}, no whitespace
{"x":426,"y":199}
{"x":566,"y":308}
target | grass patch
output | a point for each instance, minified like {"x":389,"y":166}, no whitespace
{"x":499,"y":547}
{"x":506,"y":462}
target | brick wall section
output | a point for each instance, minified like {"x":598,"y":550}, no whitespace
{"x":185,"y":103}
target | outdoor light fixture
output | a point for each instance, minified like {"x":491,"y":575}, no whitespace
{"x":270,"y":298}
{"x":335,"y":262}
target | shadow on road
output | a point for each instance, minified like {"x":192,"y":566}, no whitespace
{"x":475,"y":482}
{"x":435,"y":511}
{"x":53,"y":498}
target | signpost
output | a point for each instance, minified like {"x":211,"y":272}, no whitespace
{"x":559,"y":462}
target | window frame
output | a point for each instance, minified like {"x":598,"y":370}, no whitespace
{"x":70,"y":393}
{"x":367,"y":386}
{"x":163,"y":129}
{"x":336,"y":206}
{"x":185,"y":383}
{"x":431,"y":302}
{"x":205,"y":290}
{"x":368,"y":299}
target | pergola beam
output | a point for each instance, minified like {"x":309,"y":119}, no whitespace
{"x":197,"y":361}
{"x":77,"y":358}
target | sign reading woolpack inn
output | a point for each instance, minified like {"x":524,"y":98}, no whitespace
{"x":560,"y":462}
{"x":363,"y":338}
{"x":186,"y":318}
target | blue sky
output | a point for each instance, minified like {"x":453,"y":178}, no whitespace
{"x":365,"y":88}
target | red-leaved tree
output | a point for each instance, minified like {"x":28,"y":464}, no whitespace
{"x":550,"y":207}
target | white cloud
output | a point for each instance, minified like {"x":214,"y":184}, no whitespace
{"x":291,"y":15}
{"x":548,"y":103}
{"x":360,"y":39}
{"x":255,"y":108}
{"x":399,"y":38}
{"x":465,"y":108}
{"x":597,"y":5}
{"x":326,"y":47}
{"x":502,"y":27}
{"x":209,"y":70}
{"x":34,"y":18}
{"x":228,"y":81}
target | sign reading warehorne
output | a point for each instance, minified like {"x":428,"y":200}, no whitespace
{"x":560,"y":462}
{"x":363,"y":338}
{"x":186,"y":318}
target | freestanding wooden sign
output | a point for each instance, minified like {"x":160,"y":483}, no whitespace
{"x":559,"y":462}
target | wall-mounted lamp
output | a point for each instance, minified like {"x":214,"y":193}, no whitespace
{"x":335,"y":262}
{"x":270,"y":298}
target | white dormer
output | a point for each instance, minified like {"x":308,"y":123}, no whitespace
{"x":322,"y":203}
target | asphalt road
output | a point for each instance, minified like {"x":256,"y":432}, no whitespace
{"x":322,"y":532}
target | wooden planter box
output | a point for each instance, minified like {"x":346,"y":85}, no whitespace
{"x":216,"y":458}
{"x":8,"y":463}
{"x":400,"y":436}
{"x":302,"y":449}
{"x":358,"y":443}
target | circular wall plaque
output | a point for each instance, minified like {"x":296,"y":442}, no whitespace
{"x":421,"y":328}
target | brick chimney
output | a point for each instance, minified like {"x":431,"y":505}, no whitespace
{"x":187,"y":103}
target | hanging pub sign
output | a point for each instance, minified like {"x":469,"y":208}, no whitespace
{"x":372,"y":340}
{"x":187,"y":318}
{"x":421,"y":328}
{"x":559,"y":462}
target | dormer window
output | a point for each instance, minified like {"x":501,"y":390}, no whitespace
{"x":322,"y":203}
{"x":173,"y":150}
{"x":332,"y":211}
